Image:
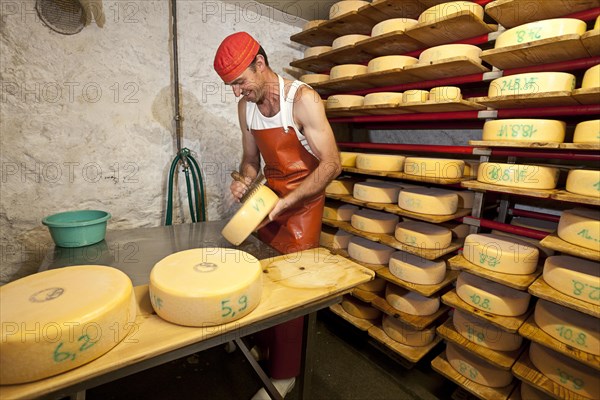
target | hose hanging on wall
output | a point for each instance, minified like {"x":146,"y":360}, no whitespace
{"x":194,"y":183}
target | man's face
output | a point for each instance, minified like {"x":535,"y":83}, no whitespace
{"x":248,"y":84}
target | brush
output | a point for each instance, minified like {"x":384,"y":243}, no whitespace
{"x":253,"y":187}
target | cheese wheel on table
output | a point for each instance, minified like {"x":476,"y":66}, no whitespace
{"x":344,"y":7}
{"x":444,"y":10}
{"x":491,"y":297}
{"x":383,"y":98}
{"x":518,"y":175}
{"x":56,"y":320}
{"x":585,"y":182}
{"x":386,"y":63}
{"x":359,"y":309}
{"x":411,"y":303}
{"x":587,"y":132}
{"x":415,"y":96}
{"x":343,"y":101}
{"x":415,"y":269}
{"x":591,"y":78}
{"x":501,"y":254}
{"x":581,"y":227}
{"x":485,"y":334}
{"x":315,"y":51}
{"x":392,"y":25}
{"x":540,"y":30}
{"x":568,"y":326}
{"x":340,"y":186}
{"x":445,"y":93}
{"x":374,"y":221}
{"x":405,"y":334}
{"x":439,"y":168}
{"x":380,"y":162}
{"x":423,"y":235}
{"x":311,"y":79}
{"x":447,"y":51}
{"x":376,"y":192}
{"x":377,"y":285}
{"x":565,"y":371}
{"x":428,"y":201}
{"x":346,"y":71}
{"x":532,"y":83}
{"x":334,"y":238}
{"x":348,"y":159}
{"x":524,"y":130}
{"x":574,"y":277}
{"x":367,"y":251}
{"x":475,"y":368}
{"x":339,"y":212}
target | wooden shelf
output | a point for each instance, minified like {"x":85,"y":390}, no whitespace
{"x":417,"y":322}
{"x":388,"y":44}
{"x":580,"y":146}
{"x":544,"y":291}
{"x":553,"y":242}
{"x":441,"y":365}
{"x":486,"y":187}
{"x":315,"y":36}
{"x":447,"y":68}
{"x":442,"y":106}
{"x":510,"y":324}
{"x":380,"y":109}
{"x":342,"y":85}
{"x":364,"y":295}
{"x":522,"y":145}
{"x":424,"y":290}
{"x":563,"y":195}
{"x":500,"y":359}
{"x":360,"y":323}
{"x":563,"y":98}
{"x":401,"y":175}
{"x":587,"y":96}
{"x":411,"y":353}
{"x":519,"y":282}
{"x":313,"y":64}
{"x":591,"y":41}
{"x":530,"y":330}
{"x":395,"y":9}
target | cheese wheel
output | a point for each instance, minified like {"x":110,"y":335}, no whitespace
{"x":359,"y":309}
{"x":313,"y":24}
{"x":445,"y":10}
{"x":591,"y":78}
{"x":252,"y":212}
{"x":585,"y":182}
{"x":340,"y":186}
{"x":540,"y":30}
{"x":568,"y":326}
{"x":347,"y":40}
{"x":597,"y":23}
{"x":587,"y":132}
{"x":415,"y":96}
{"x":393,"y":25}
{"x":500,"y":254}
{"x":348,"y":159}
{"x":547,"y":252}
{"x":415,"y":269}
{"x":445,"y":93}
{"x":405,"y":334}
{"x":376,"y":192}
{"x":317,"y":50}
{"x":56,"y":320}
{"x":369,"y":252}
{"x":311,"y":79}
{"x":342,"y":212}
{"x":532,"y":223}
{"x":528,"y":392}
{"x":565,"y":371}
{"x":446,"y":51}
{"x":343,"y":101}
{"x":386,"y":63}
{"x":476,"y":369}
{"x":518,"y":175}
{"x":344,"y":7}
{"x":524,"y":130}
{"x":531,"y":83}
{"x":336,"y":239}
{"x":428,"y":201}
{"x":383,"y":98}
{"x":580,"y":227}
{"x":409,"y":302}
{"x":375,"y":286}
{"x":380,"y":162}
{"x":374,"y":221}
{"x":434,"y":167}
{"x":347,"y":71}
{"x":491,"y":297}
{"x":423,"y":235}
{"x":574,"y":277}
{"x":485,"y":334}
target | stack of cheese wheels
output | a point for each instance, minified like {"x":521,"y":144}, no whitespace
{"x":423,"y":235}
{"x":393,"y":25}
{"x":386,"y":63}
{"x":574,"y":277}
{"x":405,"y":334}
{"x":568,"y":326}
{"x":428,"y":201}
{"x":518,"y":175}
{"x":476,"y":369}
{"x":414,"y":96}
{"x":566,"y":372}
{"x":532,"y":83}
{"x":347,"y":40}
{"x":580,"y":227}
{"x":591,"y":78}
{"x":376,"y":192}
{"x":377,"y":285}
{"x":501,"y":254}
{"x":339,"y":212}
{"x":334,"y":238}
{"x":359,"y":309}
{"x":540,"y":30}
{"x":447,"y":51}
{"x":585,"y":182}
{"x":346,"y":71}
{"x":343,"y":100}
{"x":380,"y":162}
{"x":204,"y":287}
{"x":529,"y":392}
{"x":374,"y":221}
{"x":524,"y":130}
{"x":340,"y":186}
{"x":390,"y":99}
{"x":445,"y":94}
{"x":438,"y":168}
{"x":311,"y":79}
{"x":367,"y":251}
{"x":254,"y":210}
{"x":409,"y":302}
{"x":491,"y":297}
{"x":348,"y":159}
{"x":345,"y":7}
{"x":415,"y":269}
{"x":57,"y":320}
{"x":587,"y":132}
{"x":313,"y":24}
{"x":449,"y":9}
{"x":485,"y":334}
{"x":316,"y":51}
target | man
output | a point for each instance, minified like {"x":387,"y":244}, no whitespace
{"x":284,"y":122}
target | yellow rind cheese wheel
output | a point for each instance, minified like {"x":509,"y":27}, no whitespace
{"x":380,"y":162}
{"x":446,"y":51}
{"x":374,"y":221}
{"x":376,"y":192}
{"x":574,"y":277}
{"x":411,"y":303}
{"x":310,"y":79}
{"x":491,"y":297}
{"x":580,"y":227}
{"x":386,"y":63}
{"x":415,"y":269}
{"x":367,"y":251}
{"x":440,"y":168}
{"x":344,"y":7}
{"x":500,"y":254}
{"x":342,"y":212}
{"x":347,"y":40}
{"x":587,"y":132}
{"x":485,"y":334}
{"x":393,"y":25}
{"x":476,"y":369}
{"x":444,"y":10}
{"x":540,"y":30}
{"x":343,"y":101}
{"x":359,"y":309}
{"x":532,"y":83}
{"x":585,"y":182}
{"x":445,"y":93}
{"x":405,"y":334}
{"x":428,"y":201}
{"x":415,"y":96}
{"x":340,"y":186}
{"x":315,"y":51}
{"x":423,"y":235}
{"x":348,"y":159}
{"x":518,"y":175}
{"x":591,"y":78}
{"x":335,"y":240}
{"x":524,"y":130}
{"x":383,"y":98}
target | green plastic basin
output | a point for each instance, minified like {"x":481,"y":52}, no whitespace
{"x":77,"y":228}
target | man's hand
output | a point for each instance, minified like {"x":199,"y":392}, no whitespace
{"x":280,"y":206}
{"x":239,"y":188}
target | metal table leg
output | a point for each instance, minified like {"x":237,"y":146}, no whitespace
{"x":271,"y":390}
{"x":310,"y":327}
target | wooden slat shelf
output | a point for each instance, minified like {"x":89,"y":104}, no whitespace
{"x":360,"y":323}
{"x":391,"y":43}
{"x":510,"y":324}
{"x":587,"y":96}
{"x":591,"y":41}
{"x":342,"y":85}
{"x":315,"y":36}
{"x":349,"y":54}
{"x":441,"y":365}
{"x":562,"y":98}
{"x":313,"y":64}
{"x":530,"y":330}
{"x":544,"y":291}
{"x":442,"y":106}
{"x":522,"y":145}
{"x":485,"y":187}
{"x":424,"y":290}
{"x":563,"y":195}
{"x":402,"y":175}
{"x":447,"y":68}
{"x":364,"y":295}
{"x":395,"y":9}
{"x":380,"y":109}
{"x":501,"y":359}
{"x":324,"y":34}
{"x":519,"y":282}
{"x":555,"y":243}
{"x":411,"y":353}
{"x":418,"y":322}
{"x":580,"y":146}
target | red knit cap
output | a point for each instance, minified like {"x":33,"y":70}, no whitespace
{"x":234,"y":55}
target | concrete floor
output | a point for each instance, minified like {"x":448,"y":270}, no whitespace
{"x":347,"y":366}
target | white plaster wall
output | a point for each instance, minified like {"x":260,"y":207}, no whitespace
{"x":86,"y":120}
